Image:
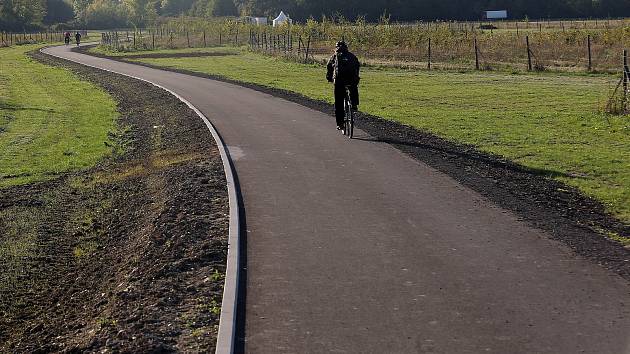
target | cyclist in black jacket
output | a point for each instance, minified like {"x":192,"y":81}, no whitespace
{"x":343,"y":70}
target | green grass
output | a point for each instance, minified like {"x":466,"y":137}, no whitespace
{"x":104,"y":50}
{"x":51,"y":122}
{"x":548,"y":122}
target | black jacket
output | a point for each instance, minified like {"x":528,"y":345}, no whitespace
{"x":352,"y":63}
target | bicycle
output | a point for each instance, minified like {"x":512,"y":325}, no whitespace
{"x":67,"y":40}
{"x":348,"y":129}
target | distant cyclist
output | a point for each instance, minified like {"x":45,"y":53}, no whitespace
{"x":343,"y":70}
{"x":66,"y":37}
{"x":77,"y":37}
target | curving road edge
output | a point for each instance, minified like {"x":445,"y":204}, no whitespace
{"x":227,"y":322}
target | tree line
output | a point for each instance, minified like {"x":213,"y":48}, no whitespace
{"x":429,"y":10}
{"x":29,"y":14}
{"x":18,"y":15}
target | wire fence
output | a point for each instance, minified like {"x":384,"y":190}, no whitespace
{"x":460,"y":46}
{"x":171,"y":38}
{"x":576,"y":51}
{"x":19,"y":38}
{"x":423,"y":45}
{"x":541,"y":25}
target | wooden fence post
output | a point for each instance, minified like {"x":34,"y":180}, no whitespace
{"x":308,"y":48}
{"x":153,"y":39}
{"x":529,"y":55}
{"x":204,"y":39}
{"x":476,"y":55}
{"x":188,"y":39}
{"x":299,"y":51}
{"x":590,"y":58}
{"x":429,"y":56}
{"x":626,"y":72}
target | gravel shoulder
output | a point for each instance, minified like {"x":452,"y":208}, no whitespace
{"x":566,"y":214}
{"x":129,"y":254}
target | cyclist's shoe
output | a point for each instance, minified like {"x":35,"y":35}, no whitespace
{"x":339,"y":127}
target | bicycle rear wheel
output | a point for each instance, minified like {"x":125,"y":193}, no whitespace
{"x":349,"y":114}
{"x":349,"y":118}
{"x":351,"y":123}
{"x":346,"y":119}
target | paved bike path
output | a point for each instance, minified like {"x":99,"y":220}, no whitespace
{"x":353,"y":247}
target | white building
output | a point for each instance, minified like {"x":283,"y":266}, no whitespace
{"x":260,"y":21}
{"x":496,"y":15}
{"x":282,"y":19}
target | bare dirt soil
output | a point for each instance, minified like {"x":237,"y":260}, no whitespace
{"x":129,"y":255}
{"x":564,"y":212}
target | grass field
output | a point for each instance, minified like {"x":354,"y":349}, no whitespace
{"x":548,"y":122}
{"x":51,"y":122}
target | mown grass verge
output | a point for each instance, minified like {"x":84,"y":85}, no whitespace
{"x":51,"y":122}
{"x":551,"y":123}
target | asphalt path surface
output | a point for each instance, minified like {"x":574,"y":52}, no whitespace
{"x":354,"y":247}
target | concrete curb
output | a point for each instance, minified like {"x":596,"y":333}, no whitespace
{"x":227,"y":323}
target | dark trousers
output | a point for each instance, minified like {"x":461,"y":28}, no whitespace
{"x":340,"y":94}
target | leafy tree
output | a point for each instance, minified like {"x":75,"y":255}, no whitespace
{"x":106,"y":14}
{"x":58,"y":11}
{"x":80,"y":8}
{"x":22,"y":14}
{"x":217,"y":8}
{"x":140,"y":13}
{"x":176,"y":7}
